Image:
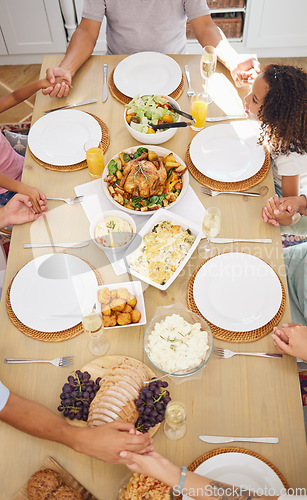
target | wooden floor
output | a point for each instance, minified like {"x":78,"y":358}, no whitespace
{"x":13,"y":77}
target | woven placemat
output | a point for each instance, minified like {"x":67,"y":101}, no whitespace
{"x":229,"y":186}
{"x":105,"y":141}
{"x":124,"y":99}
{"x":229,"y":336}
{"x":46,"y":336}
{"x":234,"y":449}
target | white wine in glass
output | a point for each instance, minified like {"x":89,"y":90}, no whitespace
{"x":208,"y":67}
{"x":175,"y":415}
{"x":93,"y":326}
{"x":211,"y":228}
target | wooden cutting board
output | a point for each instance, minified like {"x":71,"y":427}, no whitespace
{"x":99,"y":367}
{"x":67,"y":479}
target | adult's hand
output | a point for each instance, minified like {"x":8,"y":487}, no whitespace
{"x":60,"y":82}
{"x":246,"y":72}
{"x":19,"y":210}
{"x":292,"y":340}
{"x":107,"y":441}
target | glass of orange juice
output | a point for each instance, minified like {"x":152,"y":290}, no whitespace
{"x":94,"y":158}
{"x":199,"y":106}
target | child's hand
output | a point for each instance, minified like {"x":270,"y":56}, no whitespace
{"x":37,"y":198}
{"x":152,"y":464}
{"x":279,"y":211}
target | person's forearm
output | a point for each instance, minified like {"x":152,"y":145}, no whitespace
{"x":207,"y":33}
{"x":37,"y":420}
{"x":80,"y":48}
{"x":10,"y":184}
{"x":20,"y":95}
{"x":226,"y":54}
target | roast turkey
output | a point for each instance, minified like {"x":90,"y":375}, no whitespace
{"x":142,"y":177}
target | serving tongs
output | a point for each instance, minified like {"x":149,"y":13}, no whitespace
{"x":170,"y":125}
{"x":175,"y":124}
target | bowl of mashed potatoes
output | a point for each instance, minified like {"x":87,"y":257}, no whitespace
{"x":177,"y":341}
{"x":112,"y":230}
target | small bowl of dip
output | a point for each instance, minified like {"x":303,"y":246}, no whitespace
{"x":112,"y":230}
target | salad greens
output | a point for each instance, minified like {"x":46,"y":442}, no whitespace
{"x":112,"y":167}
{"x":149,"y":108}
{"x":138,"y":201}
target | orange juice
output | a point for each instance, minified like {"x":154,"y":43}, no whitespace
{"x":199,"y":113}
{"x":95,"y":161}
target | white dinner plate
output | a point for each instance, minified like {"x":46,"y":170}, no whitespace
{"x":147,"y":73}
{"x":50,"y":292}
{"x":240,"y":469}
{"x":58,"y":138}
{"x":237,"y":291}
{"x":227,"y":153}
{"x":161,"y":152}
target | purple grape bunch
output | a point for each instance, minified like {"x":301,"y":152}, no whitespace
{"x":77,"y":394}
{"x":151,"y":405}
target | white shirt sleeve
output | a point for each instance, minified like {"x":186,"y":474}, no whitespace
{"x":292,"y":164}
{"x":4,"y":395}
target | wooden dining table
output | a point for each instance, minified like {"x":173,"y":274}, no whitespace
{"x":242,"y":396}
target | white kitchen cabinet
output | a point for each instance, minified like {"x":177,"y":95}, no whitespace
{"x":277,"y":28}
{"x":31,"y":28}
{"x":3,"y":50}
{"x":271,"y":28}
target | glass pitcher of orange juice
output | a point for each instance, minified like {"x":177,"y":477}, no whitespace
{"x":94,"y":158}
{"x":199,"y":106}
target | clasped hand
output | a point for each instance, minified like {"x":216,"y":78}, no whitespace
{"x":60,"y":82}
{"x":291,"y":339}
{"x":281,"y":210}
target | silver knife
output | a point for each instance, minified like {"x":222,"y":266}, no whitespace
{"x":234,"y":240}
{"x":105,"y":83}
{"x":223,"y":118}
{"x":222,"y":439}
{"x":61,"y":245}
{"x":82,"y":103}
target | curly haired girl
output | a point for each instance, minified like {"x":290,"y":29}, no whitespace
{"x":278,"y":99}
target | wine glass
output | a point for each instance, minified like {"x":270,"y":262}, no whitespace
{"x":93,"y":326}
{"x":211,"y":227}
{"x":94,"y":158}
{"x":175,"y":416}
{"x":208,"y":67}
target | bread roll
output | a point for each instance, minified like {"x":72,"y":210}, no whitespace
{"x":42,"y":484}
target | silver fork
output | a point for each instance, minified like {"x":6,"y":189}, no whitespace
{"x":63,"y":361}
{"x":210,"y":192}
{"x":190,"y":91}
{"x":69,"y":201}
{"x":226,"y":353}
